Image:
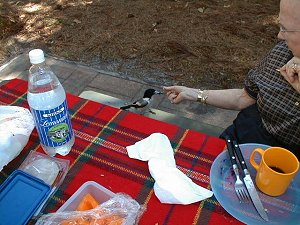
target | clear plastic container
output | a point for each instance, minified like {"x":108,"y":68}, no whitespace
{"x":21,"y":195}
{"x":100,"y":193}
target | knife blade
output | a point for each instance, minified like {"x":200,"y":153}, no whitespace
{"x":249,"y":184}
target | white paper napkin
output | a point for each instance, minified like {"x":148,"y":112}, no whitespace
{"x":171,"y":185}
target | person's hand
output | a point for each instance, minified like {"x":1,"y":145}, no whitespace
{"x":177,"y":94}
{"x":291,"y":72}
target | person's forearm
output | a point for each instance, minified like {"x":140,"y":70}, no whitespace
{"x":234,"y":99}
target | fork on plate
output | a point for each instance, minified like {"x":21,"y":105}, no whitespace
{"x":239,"y":186}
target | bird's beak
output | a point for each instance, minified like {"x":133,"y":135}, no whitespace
{"x":158,"y":93}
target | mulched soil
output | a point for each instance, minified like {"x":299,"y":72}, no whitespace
{"x":208,"y":43}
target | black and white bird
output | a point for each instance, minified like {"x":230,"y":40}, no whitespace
{"x":143,"y":104}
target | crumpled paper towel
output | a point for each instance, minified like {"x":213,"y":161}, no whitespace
{"x":171,"y":185}
{"x":16,"y":125}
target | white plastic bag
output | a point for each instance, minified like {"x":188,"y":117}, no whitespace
{"x":119,"y":210}
{"x":16,"y":125}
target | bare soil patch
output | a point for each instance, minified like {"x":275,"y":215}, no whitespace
{"x":208,"y":43}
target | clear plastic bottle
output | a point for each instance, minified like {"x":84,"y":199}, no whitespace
{"x":47,"y":100}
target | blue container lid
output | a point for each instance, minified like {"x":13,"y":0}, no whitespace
{"x":20,"y":196}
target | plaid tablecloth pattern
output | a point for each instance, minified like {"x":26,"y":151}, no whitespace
{"x":99,"y":154}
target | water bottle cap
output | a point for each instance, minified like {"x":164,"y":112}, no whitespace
{"x":36,"y":56}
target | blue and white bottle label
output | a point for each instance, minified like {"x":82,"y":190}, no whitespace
{"x":54,"y":125}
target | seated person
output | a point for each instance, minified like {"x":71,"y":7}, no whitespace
{"x":269,"y":103}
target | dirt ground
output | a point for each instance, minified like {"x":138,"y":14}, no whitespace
{"x":208,"y":43}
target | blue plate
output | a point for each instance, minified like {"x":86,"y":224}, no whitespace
{"x":281,"y":210}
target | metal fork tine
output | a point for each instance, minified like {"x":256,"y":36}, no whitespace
{"x":240,"y":188}
{"x":246,"y":195}
{"x":240,"y":196}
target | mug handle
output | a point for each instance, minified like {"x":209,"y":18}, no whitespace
{"x":252,"y":161}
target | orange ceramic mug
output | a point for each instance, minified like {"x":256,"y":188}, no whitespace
{"x":276,"y":170}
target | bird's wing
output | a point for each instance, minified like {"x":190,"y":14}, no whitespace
{"x":137,"y":104}
{"x":141,"y":103}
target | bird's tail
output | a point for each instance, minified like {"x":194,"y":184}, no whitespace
{"x":125,"y":107}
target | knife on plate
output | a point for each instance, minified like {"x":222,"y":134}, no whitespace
{"x":249,"y":183}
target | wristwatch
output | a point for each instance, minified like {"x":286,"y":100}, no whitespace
{"x":202,"y":96}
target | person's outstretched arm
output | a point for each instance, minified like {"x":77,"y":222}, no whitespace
{"x":234,"y":99}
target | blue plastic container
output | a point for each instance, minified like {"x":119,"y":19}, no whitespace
{"x":20,"y":196}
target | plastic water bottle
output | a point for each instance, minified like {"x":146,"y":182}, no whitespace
{"x":47,"y":100}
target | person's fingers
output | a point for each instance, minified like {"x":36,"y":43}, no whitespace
{"x":174,"y":98}
{"x":291,"y":75}
{"x":169,"y":88}
{"x":283,"y":71}
{"x":296,"y":68}
{"x":288,"y":73}
{"x":293,"y":71}
{"x":177,"y":99}
{"x":170,"y":93}
{"x":283,"y":67}
{"x":175,"y":93}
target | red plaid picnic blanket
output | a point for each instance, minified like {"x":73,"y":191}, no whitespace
{"x":99,"y":154}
